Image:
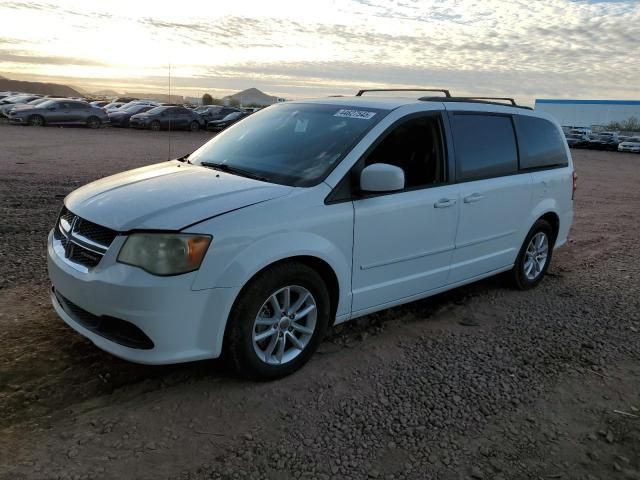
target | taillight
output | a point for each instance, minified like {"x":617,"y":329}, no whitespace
{"x":575,"y":184}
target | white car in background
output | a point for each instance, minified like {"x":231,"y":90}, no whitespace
{"x":304,"y":215}
{"x":631,"y":144}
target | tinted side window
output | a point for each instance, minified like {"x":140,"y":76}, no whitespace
{"x":485,"y":145}
{"x":541,"y":143}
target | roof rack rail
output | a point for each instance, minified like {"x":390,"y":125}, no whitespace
{"x":503,"y":99}
{"x":486,"y":100}
{"x":446,"y":92}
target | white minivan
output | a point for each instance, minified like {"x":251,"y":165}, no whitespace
{"x":304,"y":215}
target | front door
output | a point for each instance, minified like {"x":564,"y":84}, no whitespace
{"x":403,"y":241}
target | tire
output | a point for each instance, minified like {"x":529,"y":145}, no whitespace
{"x":155,"y":126}
{"x":194,"y":126}
{"x":254,"y":349}
{"x":36,"y":121}
{"x":528,"y":270}
{"x":93,"y":122}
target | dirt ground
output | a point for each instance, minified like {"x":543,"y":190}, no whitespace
{"x":482,"y":382}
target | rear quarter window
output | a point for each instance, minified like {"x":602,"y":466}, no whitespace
{"x":541,"y":143}
{"x":485,"y":146}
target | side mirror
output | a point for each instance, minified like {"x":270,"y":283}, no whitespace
{"x":381,"y":177}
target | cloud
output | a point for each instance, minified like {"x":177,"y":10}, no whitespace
{"x":546,"y":47}
{"x":22,"y":57}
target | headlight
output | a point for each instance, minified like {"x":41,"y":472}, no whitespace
{"x":164,"y":253}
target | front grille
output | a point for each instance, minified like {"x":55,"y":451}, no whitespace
{"x":114,"y":329}
{"x":83,"y":242}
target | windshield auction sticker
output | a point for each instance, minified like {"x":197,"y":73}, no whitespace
{"x":362,"y":114}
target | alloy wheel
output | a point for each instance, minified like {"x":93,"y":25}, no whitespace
{"x":284,"y":325}
{"x":536,"y":256}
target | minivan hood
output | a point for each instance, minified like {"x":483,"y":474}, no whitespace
{"x":167,"y":196}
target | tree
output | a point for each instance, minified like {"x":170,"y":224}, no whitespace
{"x":631,"y":124}
{"x":207,"y":99}
{"x":234,"y":102}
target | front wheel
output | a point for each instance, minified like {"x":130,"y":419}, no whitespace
{"x":534,"y":257}
{"x":277,"y":322}
{"x":36,"y":121}
{"x":93,"y":122}
{"x":194,"y":127}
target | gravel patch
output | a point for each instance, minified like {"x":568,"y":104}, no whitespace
{"x":483,"y":382}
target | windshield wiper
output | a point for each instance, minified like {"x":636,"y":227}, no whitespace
{"x":223,"y":167}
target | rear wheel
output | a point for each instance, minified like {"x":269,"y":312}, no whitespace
{"x":194,"y":127}
{"x":155,"y":126}
{"x":534,"y":257}
{"x":278,"y":321}
{"x":36,"y":121}
{"x":93,"y":122}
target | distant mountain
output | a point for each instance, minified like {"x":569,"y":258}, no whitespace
{"x":106,"y":93}
{"x":158,"y":97}
{"x":38,"y":87}
{"x":252,"y":96}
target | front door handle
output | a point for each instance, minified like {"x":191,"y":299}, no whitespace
{"x":444,"y":203}
{"x":474,"y":197}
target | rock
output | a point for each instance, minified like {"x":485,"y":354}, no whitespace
{"x":477,"y":473}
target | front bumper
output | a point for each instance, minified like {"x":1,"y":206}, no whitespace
{"x":629,"y":149}
{"x":17,"y":120}
{"x":182,"y":324}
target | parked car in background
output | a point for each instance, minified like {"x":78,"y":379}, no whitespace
{"x":219,"y":125}
{"x":148,"y":103}
{"x":121,"y":116}
{"x":8,"y":103}
{"x":631,"y":144}
{"x":5,"y":109}
{"x":215,"y":112}
{"x":604,"y":141}
{"x":17,"y":98}
{"x":576,"y":140}
{"x":7,"y":94}
{"x":581,"y":131}
{"x":306,"y":215}
{"x":60,"y":112}
{"x":99,"y":103}
{"x":112,"y":106}
{"x":168,"y":117}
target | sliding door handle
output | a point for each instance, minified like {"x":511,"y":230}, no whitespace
{"x":444,"y":203}
{"x":474,"y":197}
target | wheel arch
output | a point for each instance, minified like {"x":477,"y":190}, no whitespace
{"x":324,"y":269}
{"x":552,"y":219}
{"x":548,"y":210}
{"x":33,"y":115}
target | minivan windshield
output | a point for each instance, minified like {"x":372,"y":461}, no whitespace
{"x":295,"y":144}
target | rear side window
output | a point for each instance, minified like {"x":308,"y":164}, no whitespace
{"x":541,"y":143}
{"x":485,"y":146}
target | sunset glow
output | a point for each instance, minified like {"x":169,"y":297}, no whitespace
{"x":296,"y":49}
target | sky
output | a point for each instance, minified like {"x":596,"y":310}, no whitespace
{"x":296,"y":49}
